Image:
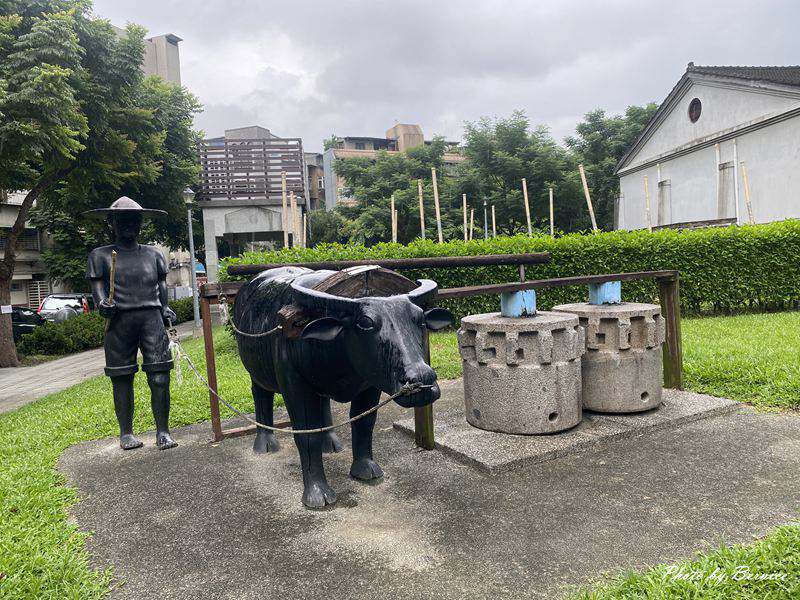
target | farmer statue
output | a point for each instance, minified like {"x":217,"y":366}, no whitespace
{"x":130,"y":290}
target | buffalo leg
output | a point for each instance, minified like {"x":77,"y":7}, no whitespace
{"x":364,"y":467}
{"x":305,"y":411}
{"x":265,"y":440}
{"x":330,"y":441}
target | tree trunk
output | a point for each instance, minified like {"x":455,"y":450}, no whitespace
{"x":8,"y":352}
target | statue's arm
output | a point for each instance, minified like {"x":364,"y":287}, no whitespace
{"x":166,"y":312}
{"x":98,"y":291}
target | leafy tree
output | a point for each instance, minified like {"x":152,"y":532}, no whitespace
{"x":500,"y":153}
{"x":76,"y":117}
{"x":372,"y":182}
{"x":600,"y":143}
{"x":330,"y":142}
{"x":326,"y":227}
{"x":73,"y":235}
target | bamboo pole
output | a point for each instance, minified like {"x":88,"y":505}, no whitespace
{"x":588,"y":197}
{"x":647,"y":219}
{"x":295,"y":220}
{"x":464,"y":210}
{"x":421,"y":209}
{"x":394,"y":220}
{"x":552,"y":224}
{"x":436,"y":205}
{"x":396,"y":215}
{"x":527,"y":206}
{"x":494,"y":223}
{"x":305,"y":230}
{"x":284,"y":219}
{"x":471,"y":222}
{"x":747,"y":202}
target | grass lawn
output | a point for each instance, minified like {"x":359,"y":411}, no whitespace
{"x":751,"y":358}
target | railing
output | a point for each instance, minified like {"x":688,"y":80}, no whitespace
{"x":668,"y":283}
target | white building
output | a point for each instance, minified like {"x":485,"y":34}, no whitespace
{"x":720,"y":133}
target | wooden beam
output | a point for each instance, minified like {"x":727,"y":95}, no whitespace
{"x":669,"y":294}
{"x":211,"y":368}
{"x":499,"y":288}
{"x":423,"y":415}
{"x":588,"y":197}
{"x":527,"y":206}
{"x":433,"y":262}
{"x":436,"y":205}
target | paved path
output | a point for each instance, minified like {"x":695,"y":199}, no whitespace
{"x":25,"y":384}
{"x":216,"y":521}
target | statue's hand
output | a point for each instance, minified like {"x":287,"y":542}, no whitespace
{"x":169,"y":316}
{"x":107,"y":308}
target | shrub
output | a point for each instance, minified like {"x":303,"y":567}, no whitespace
{"x":82,"y":332}
{"x":750,"y":267}
{"x":184,"y":309}
{"x":73,"y":335}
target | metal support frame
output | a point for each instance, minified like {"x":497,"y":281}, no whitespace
{"x":668,"y":284}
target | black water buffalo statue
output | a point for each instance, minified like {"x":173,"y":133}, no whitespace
{"x":332,"y":347}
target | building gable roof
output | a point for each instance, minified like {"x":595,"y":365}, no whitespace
{"x":782,"y":75}
{"x":776,"y":75}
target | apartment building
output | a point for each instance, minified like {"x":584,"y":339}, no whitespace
{"x":399,"y":138}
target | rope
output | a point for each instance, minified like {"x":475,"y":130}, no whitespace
{"x":223,"y":300}
{"x":407,"y":389}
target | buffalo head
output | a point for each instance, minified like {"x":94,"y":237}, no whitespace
{"x":383,"y":336}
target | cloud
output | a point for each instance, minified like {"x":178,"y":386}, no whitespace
{"x":355,"y":67}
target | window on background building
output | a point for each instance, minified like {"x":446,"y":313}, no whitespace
{"x":321,"y":183}
{"x":695,"y":108}
{"x":360,"y":146}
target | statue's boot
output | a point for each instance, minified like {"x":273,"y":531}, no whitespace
{"x":123,"y":408}
{"x":159,"y":400}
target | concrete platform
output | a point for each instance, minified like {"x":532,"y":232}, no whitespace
{"x":496,"y":452}
{"x":210,"y":521}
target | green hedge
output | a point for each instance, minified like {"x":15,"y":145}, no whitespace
{"x":82,"y":332}
{"x":79,"y":333}
{"x":752,"y":267}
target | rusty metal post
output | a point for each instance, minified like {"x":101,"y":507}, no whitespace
{"x":423,"y":415}
{"x":669,"y":294}
{"x":211,"y":367}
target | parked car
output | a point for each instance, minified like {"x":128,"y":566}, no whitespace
{"x":59,"y":307}
{"x":24,"y":320}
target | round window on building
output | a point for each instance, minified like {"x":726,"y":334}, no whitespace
{"x":695,"y":107}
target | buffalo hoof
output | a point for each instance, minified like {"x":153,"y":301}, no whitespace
{"x":331,"y":443}
{"x":128,"y":442}
{"x":318,"y":494}
{"x":265,"y":442}
{"x":164,"y":440}
{"x":365,"y":469}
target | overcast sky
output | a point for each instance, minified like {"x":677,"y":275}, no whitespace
{"x":356,"y":67}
